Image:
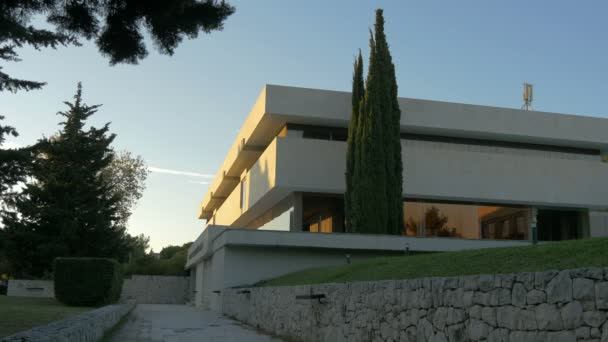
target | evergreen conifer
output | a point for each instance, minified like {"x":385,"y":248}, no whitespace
{"x":68,"y":209}
{"x":374,"y":191}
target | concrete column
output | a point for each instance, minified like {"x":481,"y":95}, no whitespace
{"x":192,"y":285}
{"x":533,"y":227}
{"x":295,"y":222}
{"x":598,"y":223}
{"x":198,"y":296}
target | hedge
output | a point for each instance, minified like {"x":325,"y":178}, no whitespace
{"x":87,"y":281}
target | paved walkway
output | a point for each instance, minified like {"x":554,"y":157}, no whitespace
{"x":180,"y":323}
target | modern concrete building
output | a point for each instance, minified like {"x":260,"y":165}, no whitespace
{"x":474,"y":176}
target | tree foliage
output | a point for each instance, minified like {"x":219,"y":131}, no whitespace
{"x":138,"y":246}
{"x":169,"y":251}
{"x":117,"y":26}
{"x":352,"y":152}
{"x":13,"y":171}
{"x":68,"y":209}
{"x":171,"y":261}
{"x":13,"y":165}
{"x":126,"y":175}
{"x":376,"y":182}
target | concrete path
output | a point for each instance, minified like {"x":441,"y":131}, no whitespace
{"x":180,"y":323}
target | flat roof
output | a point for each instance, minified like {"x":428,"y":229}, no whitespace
{"x":278,"y":105}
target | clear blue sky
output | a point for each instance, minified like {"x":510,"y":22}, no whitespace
{"x":183,"y":112}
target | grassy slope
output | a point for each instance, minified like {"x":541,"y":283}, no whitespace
{"x":22,"y":313}
{"x":558,"y":255}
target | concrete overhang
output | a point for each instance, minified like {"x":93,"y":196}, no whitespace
{"x":278,"y":105}
{"x":218,"y":237}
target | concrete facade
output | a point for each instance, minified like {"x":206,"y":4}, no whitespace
{"x":526,"y":164}
{"x":276,"y":166}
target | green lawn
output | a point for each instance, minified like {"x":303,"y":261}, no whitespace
{"x":550,"y":256}
{"x":22,"y":313}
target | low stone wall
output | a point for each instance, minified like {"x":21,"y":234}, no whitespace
{"x":86,"y":327}
{"x":145,"y":289}
{"x":569,"y":305}
{"x":31,"y":288}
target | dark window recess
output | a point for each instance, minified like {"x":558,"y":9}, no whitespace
{"x":243,"y":189}
{"x":556,"y":225}
{"x":341,"y":134}
{"x":498,"y":143}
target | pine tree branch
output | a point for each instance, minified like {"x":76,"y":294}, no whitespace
{"x":13,"y":85}
{"x":120,"y":38}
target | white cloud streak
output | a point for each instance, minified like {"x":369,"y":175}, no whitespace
{"x":179,"y":173}
{"x":199,"y":182}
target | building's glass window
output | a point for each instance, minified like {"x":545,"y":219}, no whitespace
{"x":281,"y":222}
{"x":556,"y":225}
{"x":465,"y":221}
{"x":279,"y":217}
{"x":323,"y":214}
{"x":446,"y":142}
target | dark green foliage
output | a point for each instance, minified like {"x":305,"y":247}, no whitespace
{"x":13,"y":171}
{"x":171,"y":262}
{"x":168,"y":252}
{"x":352,"y":146}
{"x":376,"y":183}
{"x":70,"y":210}
{"x":127,"y":175}
{"x":87,"y":281}
{"x":138,"y":245}
{"x":13,"y":163}
{"x":116,"y":26}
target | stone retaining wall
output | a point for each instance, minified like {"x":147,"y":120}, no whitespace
{"x":31,"y":288}
{"x":146,"y":289}
{"x":569,"y":305}
{"x":86,"y":327}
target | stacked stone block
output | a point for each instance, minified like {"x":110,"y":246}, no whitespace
{"x":85,"y":327}
{"x":569,"y":305}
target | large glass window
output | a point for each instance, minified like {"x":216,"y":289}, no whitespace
{"x":279,"y":217}
{"x":465,"y":221}
{"x":556,"y":225}
{"x":281,"y":222}
{"x":323,"y":214}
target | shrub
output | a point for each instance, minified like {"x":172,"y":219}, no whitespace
{"x":87,"y":281}
{"x":150,"y":265}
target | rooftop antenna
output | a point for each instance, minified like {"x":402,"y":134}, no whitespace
{"x":528,"y":96}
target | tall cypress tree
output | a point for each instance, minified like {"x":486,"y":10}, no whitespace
{"x":392,"y":134}
{"x":377,"y":180}
{"x":69,"y":209}
{"x":352,"y":147}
